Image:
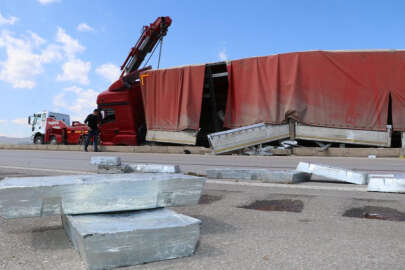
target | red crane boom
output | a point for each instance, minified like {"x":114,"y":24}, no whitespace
{"x":150,"y":37}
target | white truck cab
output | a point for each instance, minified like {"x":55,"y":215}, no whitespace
{"x":38,"y":122}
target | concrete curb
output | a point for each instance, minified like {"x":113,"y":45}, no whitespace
{"x":124,"y":149}
{"x":348,"y":152}
{"x":299,"y":151}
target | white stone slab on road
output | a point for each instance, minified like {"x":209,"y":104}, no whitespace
{"x":106,"y":241}
{"x":386,"y":183}
{"x":153,"y":168}
{"x":105,"y":160}
{"x":264,"y":175}
{"x":333,"y":173}
{"x":82,"y":194}
{"x":138,"y":168}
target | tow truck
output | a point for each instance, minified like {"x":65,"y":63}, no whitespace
{"x":54,"y":128}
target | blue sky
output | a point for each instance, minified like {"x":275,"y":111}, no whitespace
{"x":59,"y":54}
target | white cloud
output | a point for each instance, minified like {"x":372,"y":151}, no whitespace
{"x":10,"y":20}
{"x":2,"y":121}
{"x":36,"y":39}
{"x":84,"y":27}
{"x":71,"y":46}
{"x":20,"y":121}
{"x":77,"y":101}
{"x":45,"y":2}
{"x":26,"y":55}
{"x":109,"y":71}
{"x":75,"y":70}
{"x":223,"y":56}
{"x":25,"y":58}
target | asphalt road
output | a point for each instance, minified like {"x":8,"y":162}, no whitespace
{"x":233,"y":237}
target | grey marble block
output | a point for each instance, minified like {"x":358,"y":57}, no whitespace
{"x":264,"y":175}
{"x":386,"y":183}
{"x":106,"y":241}
{"x":81,"y":194}
{"x":333,"y":173}
{"x":154,"y":168}
{"x":105,"y":160}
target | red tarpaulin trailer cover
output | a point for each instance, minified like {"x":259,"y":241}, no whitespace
{"x":172,"y":97}
{"x":346,"y":89}
{"x":340,"y":89}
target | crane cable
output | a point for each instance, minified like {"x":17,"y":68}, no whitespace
{"x":153,"y":51}
{"x":160,"y":51}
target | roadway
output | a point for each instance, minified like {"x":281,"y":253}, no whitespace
{"x":232,"y":237}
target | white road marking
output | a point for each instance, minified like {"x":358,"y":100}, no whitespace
{"x":298,"y":186}
{"x":45,"y":170}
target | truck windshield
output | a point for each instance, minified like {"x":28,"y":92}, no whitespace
{"x":35,"y":119}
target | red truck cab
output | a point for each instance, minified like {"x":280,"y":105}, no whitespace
{"x":123,"y":120}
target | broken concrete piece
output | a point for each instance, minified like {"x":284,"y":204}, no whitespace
{"x":333,"y":173}
{"x":154,"y":168}
{"x":81,"y":194}
{"x":105,"y":241}
{"x":264,"y":175}
{"x":386,"y":183}
{"x":106,"y":161}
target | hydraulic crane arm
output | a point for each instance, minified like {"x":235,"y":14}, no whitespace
{"x":150,"y":37}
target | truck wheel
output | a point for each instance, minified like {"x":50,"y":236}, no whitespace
{"x":53,"y":140}
{"x":39,"y":139}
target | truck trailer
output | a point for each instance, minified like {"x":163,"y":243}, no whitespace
{"x":348,"y":97}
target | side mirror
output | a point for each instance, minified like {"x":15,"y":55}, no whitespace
{"x":29,"y":120}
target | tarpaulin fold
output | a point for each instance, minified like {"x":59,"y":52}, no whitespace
{"x":172,"y":97}
{"x":322,"y":88}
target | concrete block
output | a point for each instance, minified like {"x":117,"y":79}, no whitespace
{"x":333,"y":173}
{"x":105,"y":160}
{"x":154,"y":168}
{"x":264,"y":175}
{"x":98,"y":193}
{"x":386,"y":183}
{"x":106,"y":241}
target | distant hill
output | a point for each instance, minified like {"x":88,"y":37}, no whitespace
{"x":11,"y":140}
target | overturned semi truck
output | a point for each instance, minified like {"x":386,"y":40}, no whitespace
{"x":355,"y":97}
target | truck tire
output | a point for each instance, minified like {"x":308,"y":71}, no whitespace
{"x":39,"y":139}
{"x":53,"y":140}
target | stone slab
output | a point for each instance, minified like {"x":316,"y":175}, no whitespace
{"x":105,"y":161}
{"x":153,"y":168}
{"x":239,"y":138}
{"x":81,"y":194}
{"x":113,"y":169}
{"x":333,"y":173}
{"x":138,"y":168}
{"x":264,"y":175}
{"x":386,"y":183}
{"x":106,"y":241}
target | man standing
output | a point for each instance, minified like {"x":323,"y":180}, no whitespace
{"x":92,"y":121}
